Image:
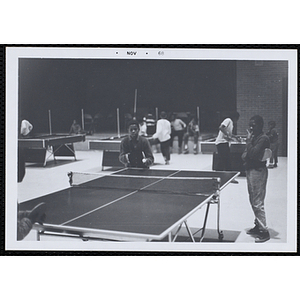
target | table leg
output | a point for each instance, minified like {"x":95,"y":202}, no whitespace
{"x":189,"y":231}
{"x":220,"y":233}
{"x":176,"y":233}
{"x":204,"y":223}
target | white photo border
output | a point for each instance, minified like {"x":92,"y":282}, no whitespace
{"x":14,"y":53}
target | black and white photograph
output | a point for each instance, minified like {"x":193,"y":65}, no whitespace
{"x":183,"y":149}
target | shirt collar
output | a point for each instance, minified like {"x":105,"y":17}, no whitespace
{"x":130,"y":138}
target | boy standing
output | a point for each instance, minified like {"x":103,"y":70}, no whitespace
{"x":257,"y":175}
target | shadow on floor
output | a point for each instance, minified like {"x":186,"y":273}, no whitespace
{"x":52,"y":163}
{"x":210,"y":236}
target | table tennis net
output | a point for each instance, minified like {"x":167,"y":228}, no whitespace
{"x":154,"y":184}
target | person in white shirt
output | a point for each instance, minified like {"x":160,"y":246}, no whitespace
{"x":163,"y":134}
{"x":178,"y":127}
{"x":26,"y":127}
{"x":143,"y":127}
{"x":223,"y":142}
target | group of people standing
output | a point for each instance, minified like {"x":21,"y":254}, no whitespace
{"x":184,"y":132}
{"x":161,"y":134}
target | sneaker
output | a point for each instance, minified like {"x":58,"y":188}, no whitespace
{"x":270,"y":166}
{"x":275,"y":166}
{"x":167,"y":162}
{"x":253,"y":231}
{"x":262,"y":237}
{"x":37,"y":214}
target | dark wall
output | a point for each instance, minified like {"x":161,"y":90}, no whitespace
{"x":65,"y":86}
{"x":262,"y":89}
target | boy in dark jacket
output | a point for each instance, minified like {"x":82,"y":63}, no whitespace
{"x":135,"y":150}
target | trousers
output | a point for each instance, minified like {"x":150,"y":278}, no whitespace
{"x":257,"y":183}
{"x":178,"y":133}
{"x":165,"y":149}
{"x":224,"y":163}
{"x":274,"y":148}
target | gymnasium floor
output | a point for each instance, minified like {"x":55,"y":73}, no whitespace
{"x":236,"y":213}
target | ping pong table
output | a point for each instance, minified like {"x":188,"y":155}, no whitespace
{"x":40,"y":148}
{"x":131,"y":204}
